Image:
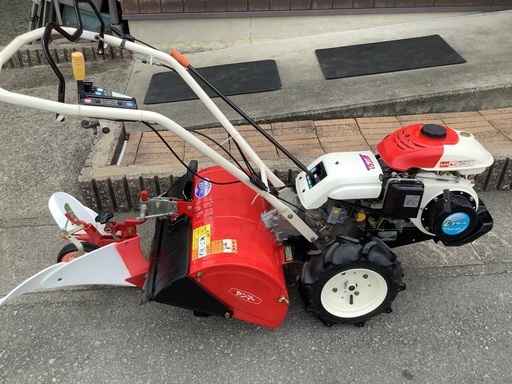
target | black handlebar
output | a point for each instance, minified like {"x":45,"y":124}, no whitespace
{"x":50,"y":27}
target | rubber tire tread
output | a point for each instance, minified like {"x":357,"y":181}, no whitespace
{"x":88,"y":247}
{"x":387,"y":265}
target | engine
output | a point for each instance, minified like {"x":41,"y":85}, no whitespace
{"x":419,"y":186}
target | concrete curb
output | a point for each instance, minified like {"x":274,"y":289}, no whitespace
{"x":465,"y":100}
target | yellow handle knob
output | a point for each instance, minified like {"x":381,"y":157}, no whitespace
{"x":78,"y":63}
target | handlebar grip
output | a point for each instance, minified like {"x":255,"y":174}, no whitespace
{"x":78,"y":63}
{"x":178,"y":56}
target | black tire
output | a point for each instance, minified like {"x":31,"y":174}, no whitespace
{"x":69,"y":248}
{"x":351,"y":282}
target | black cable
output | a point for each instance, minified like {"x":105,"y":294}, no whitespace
{"x":293,"y":205}
{"x":274,"y":142}
{"x":219,"y":145}
{"x":244,"y":158}
{"x":128,"y":37}
{"x":242,"y":154}
{"x":183,"y":163}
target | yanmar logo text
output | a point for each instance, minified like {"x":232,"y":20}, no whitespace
{"x":367,"y":162}
{"x":245,"y":296}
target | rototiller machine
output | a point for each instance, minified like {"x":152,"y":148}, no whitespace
{"x":224,"y":233}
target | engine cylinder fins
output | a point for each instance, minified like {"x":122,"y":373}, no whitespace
{"x":433,"y":131}
{"x":450,"y":220}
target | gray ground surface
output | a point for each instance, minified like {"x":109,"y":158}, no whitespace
{"x":445,"y":329}
{"x":15,"y":19}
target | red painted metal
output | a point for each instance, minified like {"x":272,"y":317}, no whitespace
{"x":233,"y":255}
{"x":408,"y":148}
{"x":134,"y":260}
{"x":124,"y":234}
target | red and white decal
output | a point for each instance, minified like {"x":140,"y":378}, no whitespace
{"x":245,"y":296}
{"x":457,"y":164}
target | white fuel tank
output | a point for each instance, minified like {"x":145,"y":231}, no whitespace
{"x":340,"y":176}
{"x":436,"y":148}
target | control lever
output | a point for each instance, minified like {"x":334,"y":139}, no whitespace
{"x":88,"y":94}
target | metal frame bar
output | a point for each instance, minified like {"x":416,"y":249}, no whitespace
{"x":165,"y":122}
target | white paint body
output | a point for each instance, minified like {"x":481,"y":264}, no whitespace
{"x":467,"y":157}
{"x":350,"y":175}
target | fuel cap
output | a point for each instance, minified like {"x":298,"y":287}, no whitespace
{"x":433,"y":131}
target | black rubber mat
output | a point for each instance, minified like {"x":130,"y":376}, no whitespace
{"x":230,"y":79}
{"x":388,"y":56}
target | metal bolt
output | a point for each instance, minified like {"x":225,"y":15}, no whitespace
{"x":365,"y":276}
{"x":356,"y":293}
{"x":350,"y":285}
{"x":335,"y":290}
{"x":290,"y":216}
{"x":227,"y":315}
{"x":199,"y":275}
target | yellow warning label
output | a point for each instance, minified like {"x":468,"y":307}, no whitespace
{"x":201,"y":242}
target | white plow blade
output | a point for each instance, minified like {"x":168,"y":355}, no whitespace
{"x":103,"y":266}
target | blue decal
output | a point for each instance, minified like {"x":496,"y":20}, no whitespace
{"x":203,"y":188}
{"x":456,"y":223}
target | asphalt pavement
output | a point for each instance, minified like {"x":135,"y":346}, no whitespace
{"x":451,"y":324}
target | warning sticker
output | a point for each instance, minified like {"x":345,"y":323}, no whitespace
{"x":412,"y":201}
{"x":201,"y":242}
{"x":225,"y":246}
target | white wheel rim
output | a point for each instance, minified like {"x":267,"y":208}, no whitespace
{"x":354,"y":293}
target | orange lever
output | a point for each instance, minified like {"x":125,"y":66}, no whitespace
{"x":177,"y":55}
